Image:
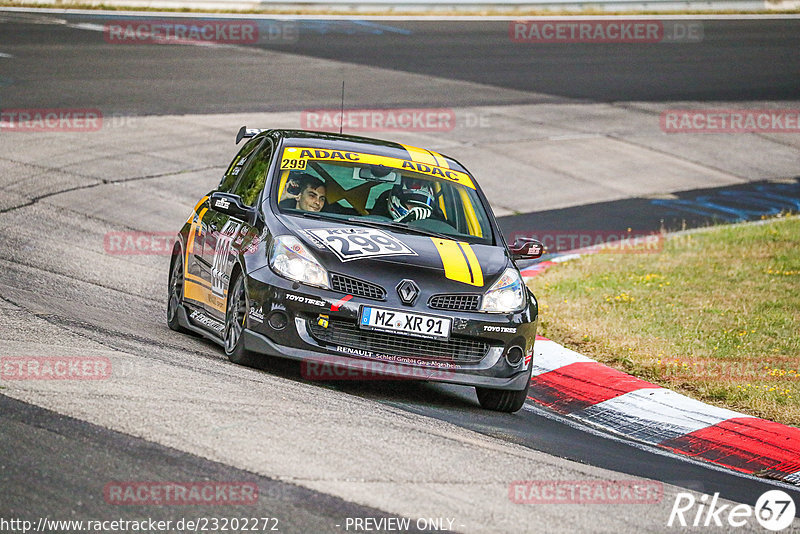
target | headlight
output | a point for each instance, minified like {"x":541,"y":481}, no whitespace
{"x":506,"y":295}
{"x":291,"y":259}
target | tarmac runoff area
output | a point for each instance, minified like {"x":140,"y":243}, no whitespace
{"x":527,"y":158}
{"x":64,"y":295}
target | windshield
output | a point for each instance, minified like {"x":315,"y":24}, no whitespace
{"x":367,"y":188}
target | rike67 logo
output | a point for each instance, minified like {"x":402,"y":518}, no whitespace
{"x":774,"y":510}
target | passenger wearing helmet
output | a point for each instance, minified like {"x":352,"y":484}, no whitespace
{"x":411,"y":200}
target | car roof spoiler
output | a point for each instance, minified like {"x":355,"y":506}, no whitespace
{"x":245,"y":132}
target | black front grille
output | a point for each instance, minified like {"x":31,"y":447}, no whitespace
{"x":356,"y":287}
{"x":462,"y":302}
{"x":347,"y":334}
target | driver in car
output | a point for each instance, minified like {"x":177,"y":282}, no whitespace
{"x":410,"y":200}
{"x":304,"y":192}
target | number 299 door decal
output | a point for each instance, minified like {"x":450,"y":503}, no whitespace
{"x":222,"y":252}
{"x":356,"y":243}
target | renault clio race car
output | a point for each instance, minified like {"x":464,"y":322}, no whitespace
{"x":371,"y":256}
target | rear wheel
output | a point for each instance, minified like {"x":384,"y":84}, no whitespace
{"x":235,"y":317}
{"x":501,"y":400}
{"x":175,"y":292}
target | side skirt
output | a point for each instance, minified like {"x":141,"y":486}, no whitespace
{"x":183,"y":319}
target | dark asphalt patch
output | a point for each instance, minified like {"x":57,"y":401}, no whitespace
{"x":737,"y":60}
{"x":688,"y":209}
{"x":56,"y":466}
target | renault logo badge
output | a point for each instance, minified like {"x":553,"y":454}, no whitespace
{"x":408,"y":291}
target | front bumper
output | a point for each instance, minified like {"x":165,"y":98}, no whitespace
{"x":354,"y":354}
{"x":328,"y":366}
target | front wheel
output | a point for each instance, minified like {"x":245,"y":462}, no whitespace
{"x":235,"y":317}
{"x":501,"y":400}
{"x":175,"y":292}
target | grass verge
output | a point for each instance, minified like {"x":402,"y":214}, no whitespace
{"x":714,"y":315}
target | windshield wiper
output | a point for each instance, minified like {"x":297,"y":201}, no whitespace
{"x":311,"y":214}
{"x":307,"y":214}
{"x":399,"y":226}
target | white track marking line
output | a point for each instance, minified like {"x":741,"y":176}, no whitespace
{"x":549,"y":356}
{"x":589,"y":428}
{"x":655,"y":415}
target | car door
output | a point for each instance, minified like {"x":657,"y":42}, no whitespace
{"x":225,"y":232}
{"x":205,"y":227}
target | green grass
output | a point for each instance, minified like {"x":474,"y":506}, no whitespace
{"x":714,"y":315}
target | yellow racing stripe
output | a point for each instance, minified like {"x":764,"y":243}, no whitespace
{"x":440,"y":160}
{"x":194,"y":231}
{"x":198,"y":293}
{"x":472,"y":259}
{"x":459,"y":261}
{"x":421,"y":155}
{"x":282,"y":184}
{"x":197,"y":207}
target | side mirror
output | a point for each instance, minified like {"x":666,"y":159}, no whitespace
{"x":526,"y":248}
{"x":230,"y":204}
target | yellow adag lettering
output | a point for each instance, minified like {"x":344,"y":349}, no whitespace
{"x":416,"y":166}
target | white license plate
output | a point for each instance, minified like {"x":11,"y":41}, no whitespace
{"x":415,"y":324}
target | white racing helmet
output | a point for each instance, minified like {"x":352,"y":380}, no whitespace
{"x":412,"y":200}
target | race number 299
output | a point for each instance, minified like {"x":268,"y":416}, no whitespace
{"x":356,"y":243}
{"x":293,"y":164}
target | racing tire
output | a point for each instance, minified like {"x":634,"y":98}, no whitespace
{"x":235,"y":319}
{"x":175,"y":292}
{"x":501,"y":400}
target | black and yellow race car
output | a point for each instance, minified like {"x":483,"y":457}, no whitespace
{"x":356,"y":255}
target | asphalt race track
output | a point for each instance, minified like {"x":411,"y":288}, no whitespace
{"x":742,"y":60}
{"x":578,"y":125}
